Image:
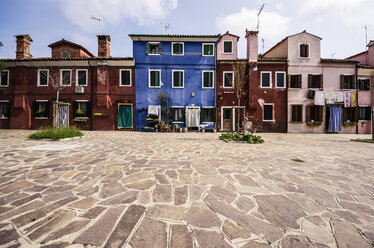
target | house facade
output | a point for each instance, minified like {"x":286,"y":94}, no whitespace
{"x":100,"y":90}
{"x":184,"y":68}
{"x":322,"y":93}
{"x":365,"y":86}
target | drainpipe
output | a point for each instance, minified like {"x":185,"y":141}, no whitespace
{"x":91,"y":70}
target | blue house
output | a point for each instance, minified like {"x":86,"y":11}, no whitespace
{"x":183,"y":67}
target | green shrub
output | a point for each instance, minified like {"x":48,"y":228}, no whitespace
{"x":236,"y":136}
{"x":56,"y":133}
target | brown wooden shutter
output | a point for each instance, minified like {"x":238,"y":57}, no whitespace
{"x":308,"y":113}
{"x":299,"y":81}
{"x":354,"y":85}
{"x":293,"y":117}
{"x":289,"y":81}
{"x":300,"y":113}
{"x":310,"y":80}
{"x":320,"y":113}
{"x":341,"y":81}
{"x":321,"y":81}
{"x":355,"y":114}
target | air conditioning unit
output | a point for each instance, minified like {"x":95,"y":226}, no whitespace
{"x":79,"y":89}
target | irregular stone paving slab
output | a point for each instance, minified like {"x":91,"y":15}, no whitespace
{"x":141,"y":185}
{"x":25,"y":200}
{"x":57,"y":196}
{"x":347,"y":235}
{"x":245,"y":204}
{"x":71,"y":227}
{"x":248,"y":222}
{"x":16,"y":186}
{"x":202,"y":216}
{"x":180,"y":237}
{"x":93,"y":212}
{"x":233,"y":231}
{"x":296,"y":241}
{"x":253,"y":244}
{"x":99,"y":232}
{"x":317,"y":232}
{"x":308,"y":204}
{"x":12,"y":197}
{"x":83,"y":204}
{"x":167,"y":212}
{"x":56,"y":220}
{"x":151,"y":234}
{"x":8,"y":235}
{"x":111,"y":189}
{"x":246,"y":180}
{"x":222,"y":194}
{"x":125,"y":226}
{"x":203,"y":167}
{"x":348,"y":216}
{"x":162,"y":193}
{"x":210,"y":239}
{"x":23,"y":209}
{"x":145,"y":198}
{"x":180,"y":195}
{"x":279,"y":210}
{"x":321,"y":196}
{"x":127,"y":197}
{"x":136,"y":177}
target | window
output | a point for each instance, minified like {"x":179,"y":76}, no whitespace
{"x":125,"y":78}
{"x":364,"y":84}
{"x":228,"y":79}
{"x":177,"y":48}
{"x":281,"y":79}
{"x":314,"y":113}
{"x":347,"y":82}
{"x":265,"y":79}
{"x":4,"y":109}
{"x":208,"y":79}
{"x":295,"y":81}
{"x":208,"y":49}
{"x":178,"y":79}
{"x":41,"y":109}
{"x":227,"y":47}
{"x":315,"y":81}
{"x":81,"y":78}
{"x":65,"y":54}
{"x":297,"y":113}
{"x":154,"y":78}
{"x":81,"y":109}
{"x":268,"y":112}
{"x":304,"y":51}
{"x":364,"y":113}
{"x":65,"y":77}
{"x":4,"y":79}
{"x":43,"y":77}
{"x":208,"y":114}
{"x":153,"y":48}
{"x":178,"y":114}
{"x":350,"y":115}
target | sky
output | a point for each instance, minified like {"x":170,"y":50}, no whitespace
{"x":340,"y":23}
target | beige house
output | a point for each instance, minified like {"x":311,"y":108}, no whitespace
{"x":317,"y":87}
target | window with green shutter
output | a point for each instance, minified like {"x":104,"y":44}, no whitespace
{"x":208,"y":79}
{"x":177,"y":48}
{"x":208,"y":114}
{"x":364,"y":113}
{"x":153,"y":48}
{"x":178,"y":114}
{"x":178,"y":79}
{"x":154,"y":78}
{"x":208,"y":49}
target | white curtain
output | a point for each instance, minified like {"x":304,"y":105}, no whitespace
{"x":192,"y":117}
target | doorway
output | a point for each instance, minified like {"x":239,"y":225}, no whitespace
{"x":193,"y":117}
{"x":125,"y":116}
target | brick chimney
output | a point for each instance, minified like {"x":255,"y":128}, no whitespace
{"x":23,"y":46}
{"x":252,"y":45}
{"x":103,"y":49}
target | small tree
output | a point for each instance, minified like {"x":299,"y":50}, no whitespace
{"x":165,"y":103}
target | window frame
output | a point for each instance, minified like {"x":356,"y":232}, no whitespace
{"x":358,"y":84}
{"x":208,"y":107}
{"x":179,"y":121}
{"x":149,"y":78}
{"x":120,"y":78}
{"x":202,"y":50}
{"x":232,"y":47}
{"x":270,"y":80}
{"x":284,"y":79}
{"x":78,"y":107}
{"x":301,"y":114}
{"x":38,"y":81}
{"x":6,"y":117}
{"x":154,"y":43}
{"x":202,"y":79}
{"x":301,"y":81}
{"x":172,"y":79}
{"x":352,"y":85}
{"x":364,"y":106}
{"x":233,"y":79}
{"x":77,"y":77}
{"x":7,"y":85}
{"x":300,"y":44}
{"x":172,"y":49}
{"x":65,"y":51}
{"x":61,"y":80}
{"x":41,"y":117}
{"x":272,"y":112}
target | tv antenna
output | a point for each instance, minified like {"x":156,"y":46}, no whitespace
{"x":366,"y":43}
{"x":332,"y":55}
{"x":263,"y":45}
{"x":166,"y":26}
{"x":258,"y":16}
{"x":95,"y":18}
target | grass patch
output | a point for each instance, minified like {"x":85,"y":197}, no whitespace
{"x":365,"y":139}
{"x":298,"y":160}
{"x":237,"y":136}
{"x":56,"y":133}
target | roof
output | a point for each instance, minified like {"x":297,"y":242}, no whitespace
{"x":272,"y":60}
{"x":280,"y":42}
{"x":358,"y":54}
{"x":371,"y":43}
{"x":174,"y":37}
{"x":71,"y":58}
{"x":349,"y":61}
{"x":250,"y":32}
{"x":227,"y":33}
{"x":24,"y":36}
{"x":63,"y":41}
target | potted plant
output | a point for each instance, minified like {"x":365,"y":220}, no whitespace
{"x":40,"y":113}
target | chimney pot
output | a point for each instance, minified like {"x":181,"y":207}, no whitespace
{"x":252,"y":45}
{"x":23,"y":46}
{"x":103,"y":49}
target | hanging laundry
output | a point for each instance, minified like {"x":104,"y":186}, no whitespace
{"x":340,"y":96}
{"x":154,"y":110}
{"x":347,"y":99}
{"x":335,"y":119}
{"x":192,"y":117}
{"x":319,"y":98}
{"x":353,"y":98}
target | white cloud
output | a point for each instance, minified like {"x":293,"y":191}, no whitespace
{"x":143,"y":12}
{"x":273,"y":26}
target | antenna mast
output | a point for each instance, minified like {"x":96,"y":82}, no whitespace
{"x":258,"y":16}
{"x":366,"y":43}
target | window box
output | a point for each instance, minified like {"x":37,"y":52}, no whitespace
{"x":80,"y":120}
{"x":41,"y":109}
{"x":81,"y":109}
{"x":314,"y":123}
{"x":349,"y":123}
{"x":100,"y":115}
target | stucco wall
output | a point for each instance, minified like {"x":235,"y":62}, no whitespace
{"x":234,"y":54}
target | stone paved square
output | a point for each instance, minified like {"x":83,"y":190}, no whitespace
{"x":132,"y":189}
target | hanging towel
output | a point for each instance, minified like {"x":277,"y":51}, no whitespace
{"x":353,"y":99}
{"x":340,"y":96}
{"x":347,"y":99}
{"x":319,"y":98}
{"x":335,"y":119}
{"x":154,"y":110}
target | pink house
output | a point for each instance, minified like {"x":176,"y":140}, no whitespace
{"x":365,"y":88}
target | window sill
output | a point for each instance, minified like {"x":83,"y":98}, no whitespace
{"x":81,"y":118}
{"x":178,"y":122}
{"x":4,"y":118}
{"x":154,"y":87}
{"x":295,"y":89}
{"x":39,"y":85}
{"x":207,"y":55}
{"x":177,"y":54}
{"x":4,"y":86}
{"x":208,"y":122}
{"x":174,"y":87}
{"x":268,"y":120}
{"x":265,"y":87}
{"x":208,"y":88}
{"x":280,"y":87}
{"x":41,"y":118}
{"x":154,"y":54}
{"x":125,"y":85}
{"x":296,"y":122}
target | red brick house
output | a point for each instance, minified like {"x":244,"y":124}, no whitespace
{"x":100,"y":90}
